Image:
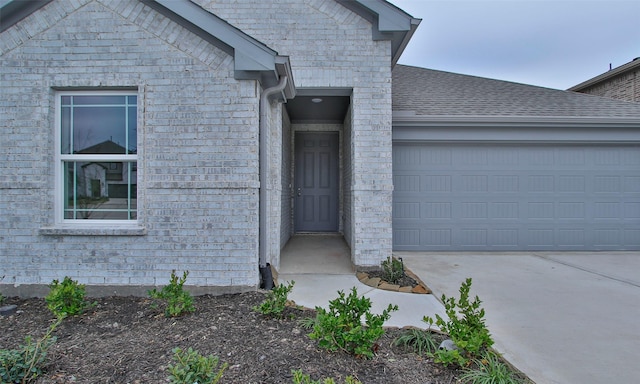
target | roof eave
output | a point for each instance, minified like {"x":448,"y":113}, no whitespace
{"x":12,"y":11}
{"x":607,"y":75}
{"x":402,"y":118}
{"x":250,"y":54}
{"x":387,"y":22}
{"x":252,"y":59}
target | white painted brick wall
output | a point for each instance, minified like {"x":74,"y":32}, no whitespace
{"x":198,"y":156}
{"x":198,"y":135}
{"x":330,"y":46}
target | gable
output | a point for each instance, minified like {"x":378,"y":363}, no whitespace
{"x":322,"y":34}
{"x":252,"y":60}
{"x":95,"y":35}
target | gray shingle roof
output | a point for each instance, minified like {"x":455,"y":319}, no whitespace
{"x":427,"y":92}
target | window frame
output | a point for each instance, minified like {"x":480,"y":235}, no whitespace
{"x":61,"y":159}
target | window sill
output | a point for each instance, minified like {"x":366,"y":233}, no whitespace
{"x":67,"y":230}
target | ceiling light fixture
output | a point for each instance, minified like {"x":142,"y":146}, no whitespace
{"x":316,"y":100}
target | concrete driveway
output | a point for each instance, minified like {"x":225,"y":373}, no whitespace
{"x":559,"y":317}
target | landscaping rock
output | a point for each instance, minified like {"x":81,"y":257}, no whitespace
{"x":420,"y":289}
{"x":389,"y":287}
{"x":373,"y":282}
{"x":8,"y":310}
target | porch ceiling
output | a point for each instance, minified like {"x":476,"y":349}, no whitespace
{"x":325,"y":109}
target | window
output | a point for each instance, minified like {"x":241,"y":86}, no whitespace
{"x":96,"y":156}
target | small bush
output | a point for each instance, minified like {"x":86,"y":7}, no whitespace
{"x":465,"y":326}
{"x":307,"y":322}
{"x":418,"y":340}
{"x":177,"y":301}
{"x":341,"y":327}
{"x":67,"y":298}
{"x":489,"y":370}
{"x":301,"y":378}
{"x":392,"y":270}
{"x":191,"y":367}
{"x":25,"y":364}
{"x":276,"y":301}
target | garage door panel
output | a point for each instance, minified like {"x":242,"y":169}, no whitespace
{"x":632,"y":184}
{"x":607,"y":237}
{"x":632,"y":238}
{"x":516,"y":197}
{"x":504,"y":237}
{"x":632,"y":210}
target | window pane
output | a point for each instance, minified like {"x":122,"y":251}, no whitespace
{"x":132,"y":130}
{"x":100,"y":190}
{"x":99,"y":100}
{"x":65,"y":136}
{"x":99,"y":130}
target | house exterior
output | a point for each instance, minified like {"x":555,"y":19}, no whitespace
{"x":145,"y":136}
{"x":622,"y":83}
{"x":488,"y":165}
{"x":197,"y":116}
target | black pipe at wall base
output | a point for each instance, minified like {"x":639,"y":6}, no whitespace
{"x":266,"y":277}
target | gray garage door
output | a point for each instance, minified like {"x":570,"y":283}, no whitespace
{"x":516,"y":197}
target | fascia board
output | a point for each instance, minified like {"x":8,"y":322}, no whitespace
{"x":402,"y":44}
{"x":12,"y":11}
{"x":388,"y":23}
{"x":517,"y":133}
{"x":390,"y":19}
{"x":408,"y":120}
{"x":249,"y":54}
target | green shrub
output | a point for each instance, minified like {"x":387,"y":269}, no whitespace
{"x":276,"y":300}
{"x":177,"y":301}
{"x":341,"y":327}
{"x":67,"y":298}
{"x":418,"y":340}
{"x":191,"y":367}
{"x":465,"y":326}
{"x":392,"y":270}
{"x":489,"y":370}
{"x":307,"y":322}
{"x":24,"y":365}
{"x":301,"y":378}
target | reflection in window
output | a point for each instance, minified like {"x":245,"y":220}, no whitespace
{"x":99,"y":125}
{"x":98,"y":153}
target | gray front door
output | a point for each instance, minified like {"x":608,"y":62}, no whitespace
{"x":316,"y":182}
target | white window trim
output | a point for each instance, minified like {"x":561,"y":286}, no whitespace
{"x":59,"y":158}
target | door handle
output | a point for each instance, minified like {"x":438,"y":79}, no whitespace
{"x":299,"y":191}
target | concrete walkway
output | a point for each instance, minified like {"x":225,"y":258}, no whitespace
{"x":565,"y":318}
{"x":314,"y":290}
{"x":320,"y":265}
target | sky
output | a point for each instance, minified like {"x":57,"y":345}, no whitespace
{"x":549,"y":43}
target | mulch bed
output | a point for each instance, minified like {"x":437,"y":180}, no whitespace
{"x":126,"y":340}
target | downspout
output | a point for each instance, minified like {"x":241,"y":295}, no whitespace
{"x":265,"y":268}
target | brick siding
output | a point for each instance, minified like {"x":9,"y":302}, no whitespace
{"x":197,"y":138}
{"x":625,"y":86}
